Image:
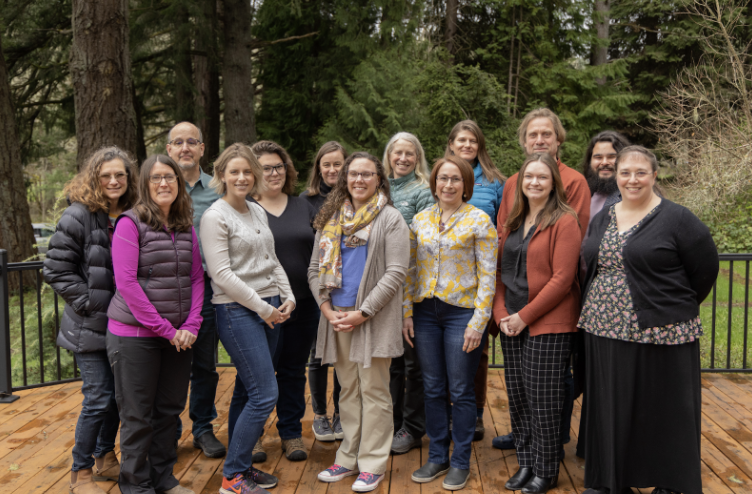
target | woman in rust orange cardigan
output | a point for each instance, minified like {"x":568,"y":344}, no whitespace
{"x":537,"y":306}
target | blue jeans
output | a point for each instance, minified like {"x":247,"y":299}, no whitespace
{"x":204,"y":375}
{"x":295,"y":338}
{"x":250,"y":342}
{"x":99,"y":420}
{"x":439,"y":337}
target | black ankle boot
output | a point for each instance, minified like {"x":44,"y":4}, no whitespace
{"x":519,"y":479}
{"x":540,"y":485}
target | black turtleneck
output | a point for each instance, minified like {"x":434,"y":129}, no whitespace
{"x":318,"y":200}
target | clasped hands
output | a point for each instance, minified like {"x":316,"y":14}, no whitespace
{"x":280,"y":315}
{"x":342,"y":322}
{"x":512,"y":325}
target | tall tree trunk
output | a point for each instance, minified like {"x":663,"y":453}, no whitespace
{"x":184,"y":102}
{"x":450,"y":34}
{"x":517,"y":75}
{"x":240,"y":118}
{"x":16,"y":234}
{"x":601,"y":25}
{"x":206,"y":75}
{"x":138,"y":107}
{"x":101,"y":73}
{"x":511,"y":62}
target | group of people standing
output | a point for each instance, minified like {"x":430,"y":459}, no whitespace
{"x":396,"y":274}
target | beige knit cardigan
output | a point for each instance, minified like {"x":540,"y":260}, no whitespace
{"x":379,"y":294}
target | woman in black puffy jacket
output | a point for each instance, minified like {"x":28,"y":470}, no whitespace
{"x":79,"y":268}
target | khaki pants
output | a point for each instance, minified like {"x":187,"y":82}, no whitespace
{"x":365,"y":408}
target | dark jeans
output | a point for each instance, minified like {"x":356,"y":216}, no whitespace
{"x":151,"y":383}
{"x":250,"y":342}
{"x":294,"y":345}
{"x":318,"y":376}
{"x":406,"y":388}
{"x":439,"y":337}
{"x":99,"y":420}
{"x":204,"y":375}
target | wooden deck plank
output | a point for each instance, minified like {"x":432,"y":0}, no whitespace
{"x":39,"y":430}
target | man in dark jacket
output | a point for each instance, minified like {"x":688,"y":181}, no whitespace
{"x":185,"y":145}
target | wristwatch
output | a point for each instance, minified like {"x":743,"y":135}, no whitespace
{"x":365,"y":314}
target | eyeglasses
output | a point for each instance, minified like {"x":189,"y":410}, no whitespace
{"x":120,"y":177}
{"x":364,"y":175}
{"x":190,"y":141}
{"x":157,"y":179}
{"x":280,"y":169}
{"x":443,"y":179}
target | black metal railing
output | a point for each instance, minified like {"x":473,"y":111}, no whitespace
{"x":30,"y":320}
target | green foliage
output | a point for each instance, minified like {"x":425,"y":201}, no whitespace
{"x":732,"y":232}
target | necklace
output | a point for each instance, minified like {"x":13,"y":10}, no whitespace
{"x":442,"y":225}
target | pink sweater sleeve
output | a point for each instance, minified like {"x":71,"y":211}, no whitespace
{"x":125,"y":252}
{"x":193,"y":323}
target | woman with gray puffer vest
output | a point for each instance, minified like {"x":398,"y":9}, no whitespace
{"x":406,"y":166}
{"x":78,"y":267}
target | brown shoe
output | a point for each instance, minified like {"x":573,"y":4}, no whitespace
{"x":107,"y":468}
{"x":294,"y":449}
{"x":259,"y":455}
{"x":82,"y":483}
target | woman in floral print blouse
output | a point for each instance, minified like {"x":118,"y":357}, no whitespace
{"x":448,"y":297}
{"x":650,"y":263}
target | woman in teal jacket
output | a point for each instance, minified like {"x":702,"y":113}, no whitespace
{"x":467,"y":141}
{"x":405,"y":165}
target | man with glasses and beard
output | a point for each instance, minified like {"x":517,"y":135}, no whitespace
{"x":598,"y":168}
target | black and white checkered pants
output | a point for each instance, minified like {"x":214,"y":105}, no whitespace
{"x":534,"y":368}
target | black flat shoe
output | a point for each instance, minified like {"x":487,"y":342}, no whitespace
{"x":429,"y":472}
{"x":540,"y":485}
{"x":456,"y":479}
{"x":519,"y":479}
{"x":210,"y":445}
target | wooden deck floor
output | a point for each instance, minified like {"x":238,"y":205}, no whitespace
{"x":36,"y":437}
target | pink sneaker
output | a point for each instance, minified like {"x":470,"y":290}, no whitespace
{"x":366,"y":482}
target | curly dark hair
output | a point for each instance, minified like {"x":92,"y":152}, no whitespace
{"x":291,"y":175}
{"x":85,"y":187}
{"x":339,"y":193}
{"x":617,"y":140}
{"x":180,"y":218}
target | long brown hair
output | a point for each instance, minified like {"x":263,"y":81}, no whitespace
{"x":313,"y":186}
{"x":180,"y":218}
{"x":86,"y":188}
{"x":339,"y":193}
{"x":486,"y":163}
{"x":555,"y":207}
{"x":291,"y":175}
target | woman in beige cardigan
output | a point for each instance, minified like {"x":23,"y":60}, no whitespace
{"x":356,"y":275}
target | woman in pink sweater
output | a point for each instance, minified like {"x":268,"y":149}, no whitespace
{"x":154,"y":319}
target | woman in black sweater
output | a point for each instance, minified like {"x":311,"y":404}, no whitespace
{"x":322,"y":178}
{"x":650,"y":263}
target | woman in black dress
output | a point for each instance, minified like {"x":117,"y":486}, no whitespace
{"x":650,"y":263}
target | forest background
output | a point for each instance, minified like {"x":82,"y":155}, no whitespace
{"x":672,"y":75}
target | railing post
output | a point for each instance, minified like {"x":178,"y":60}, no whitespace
{"x":6,"y":377}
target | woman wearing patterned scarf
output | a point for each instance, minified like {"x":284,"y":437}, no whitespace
{"x":356,"y":275}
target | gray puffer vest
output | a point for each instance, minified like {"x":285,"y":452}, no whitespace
{"x":164,"y":273}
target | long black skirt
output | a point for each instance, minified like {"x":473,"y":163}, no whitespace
{"x":643,"y":407}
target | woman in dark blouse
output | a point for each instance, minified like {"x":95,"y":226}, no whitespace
{"x":536,"y":305}
{"x":290,"y":221}
{"x":650,"y":263}
{"x":322,"y":178}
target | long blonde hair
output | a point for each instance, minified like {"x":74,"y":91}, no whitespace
{"x":556,"y":206}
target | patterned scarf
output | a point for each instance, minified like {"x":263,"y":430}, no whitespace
{"x":356,"y":225}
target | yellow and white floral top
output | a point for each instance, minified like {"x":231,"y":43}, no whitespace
{"x":457,"y":266}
